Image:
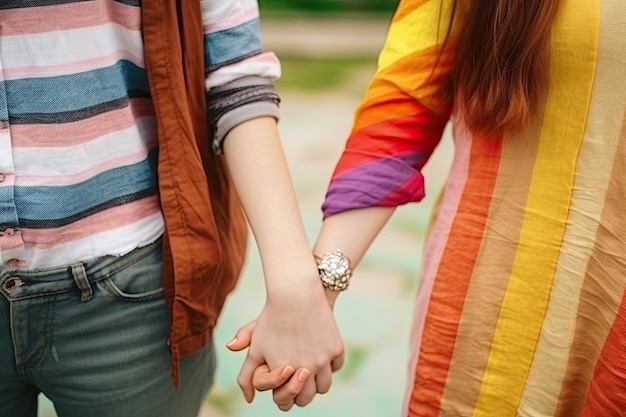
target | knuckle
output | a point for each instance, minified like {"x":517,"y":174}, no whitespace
{"x":321,"y":363}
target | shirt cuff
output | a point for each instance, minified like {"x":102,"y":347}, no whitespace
{"x":237,"y":102}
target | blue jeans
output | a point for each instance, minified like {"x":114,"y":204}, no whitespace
{"x":92,"y":338}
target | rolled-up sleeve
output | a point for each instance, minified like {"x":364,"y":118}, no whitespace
{"x":240,"y":75}
{"x":401,"y":118}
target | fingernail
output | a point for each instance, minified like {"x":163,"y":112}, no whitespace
{"x":232,"y":342}
{"x":303,"y":375}
{"x":288,"y":370}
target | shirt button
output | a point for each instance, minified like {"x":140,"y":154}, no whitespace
{"x":9,"y":232}
{"x":14,"y":263}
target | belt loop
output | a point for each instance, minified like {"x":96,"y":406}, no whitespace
{"x":82,"y":282}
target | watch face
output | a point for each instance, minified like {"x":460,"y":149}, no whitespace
{"x":334,"y":270}
{"x":334,"y":264}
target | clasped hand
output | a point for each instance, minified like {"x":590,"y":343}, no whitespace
{"x":293,"y":348}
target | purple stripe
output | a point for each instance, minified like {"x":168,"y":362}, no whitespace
{"x":371,"y":184}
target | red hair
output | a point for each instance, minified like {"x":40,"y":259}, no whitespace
{"x":501,"y":67}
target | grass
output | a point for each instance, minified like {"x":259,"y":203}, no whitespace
{"x":355,"y":361}
{"x":313,"y":75}
{"x":224,"y":400}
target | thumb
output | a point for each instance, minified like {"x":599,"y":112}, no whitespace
{"x":242,"y":338}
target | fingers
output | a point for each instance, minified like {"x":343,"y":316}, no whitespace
{"x":337,"y":362}
{"x":263,"y":379}
{"x":245,"y":378}
{"x":284,"y":396}
{"x":242,"y":338}
{"x":307,"y":394}
{"x":290,"y":386}
{"x":323,"y":380}
{"x":300,"y":390}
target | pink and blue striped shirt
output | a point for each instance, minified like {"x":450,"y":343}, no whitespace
{"x":77,"y":129}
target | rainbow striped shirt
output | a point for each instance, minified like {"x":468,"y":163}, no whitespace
{"x":77,"y":129}
{"x":522,"y":305}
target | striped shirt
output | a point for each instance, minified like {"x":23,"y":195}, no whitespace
{"x":522,"y":301}
{"x":77,"y":129}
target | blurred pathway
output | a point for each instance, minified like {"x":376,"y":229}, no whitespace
{"x":323,"y":37}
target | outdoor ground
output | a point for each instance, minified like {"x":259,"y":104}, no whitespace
{"x":326,"y":67}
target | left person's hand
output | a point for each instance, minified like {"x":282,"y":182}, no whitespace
{"x":294,"y":346}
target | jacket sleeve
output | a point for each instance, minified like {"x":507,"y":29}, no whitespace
{"x":239,"y":73}
{"x":401,"y":118}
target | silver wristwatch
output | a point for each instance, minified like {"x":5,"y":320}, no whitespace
{"x":334,"y":270}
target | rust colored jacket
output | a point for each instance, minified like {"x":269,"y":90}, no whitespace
{"x":206,"y":233}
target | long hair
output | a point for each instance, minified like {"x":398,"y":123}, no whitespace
{"x":501,"y":67}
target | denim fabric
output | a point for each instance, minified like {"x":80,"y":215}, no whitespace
{"x":92,"y":337}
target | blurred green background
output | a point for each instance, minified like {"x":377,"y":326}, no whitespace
{"x":328,"y":6}
{"x":328,"y":50}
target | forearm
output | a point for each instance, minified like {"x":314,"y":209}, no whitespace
{"x":260,"y":174}
{"x":351,"y":231}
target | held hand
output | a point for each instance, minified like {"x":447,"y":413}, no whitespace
{"x":297,"y":334}
{"x":263,"y":378}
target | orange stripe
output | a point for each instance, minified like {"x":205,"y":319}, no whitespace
{"x":408,"y":79}
{"x":393,"y":107}
{"x":453,"y":278}
{"x":491,"y":273}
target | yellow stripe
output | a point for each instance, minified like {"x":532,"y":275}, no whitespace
{"x":574,"y":46}
{"x":591,"y":184}
{"x":416,"y":31}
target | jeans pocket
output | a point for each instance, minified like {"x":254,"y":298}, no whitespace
{"x":139,"y":281}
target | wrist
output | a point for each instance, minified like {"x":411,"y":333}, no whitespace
{"x":331,"y":297}
{"x":291,"y":281}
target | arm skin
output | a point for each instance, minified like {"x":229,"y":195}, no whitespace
{"x":398,"y":124}
{"x":353,"y":232}
{"x":296,"y":329}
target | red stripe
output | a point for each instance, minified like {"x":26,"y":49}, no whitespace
{"x":413,"y":187}
{"x":607,"y":392}
{"x":453,"y":278}
{"x":419,"y":133}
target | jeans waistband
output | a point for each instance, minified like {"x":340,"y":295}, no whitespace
{"x":19,"y":284}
